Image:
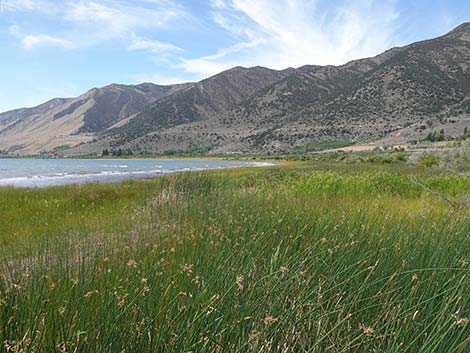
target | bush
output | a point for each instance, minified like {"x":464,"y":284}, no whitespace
{"x":427,"y":160}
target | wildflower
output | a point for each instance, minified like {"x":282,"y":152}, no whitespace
{"x":132,"y":263}
{"x":89,"y":294}
{"x":373,"y":267}
{"x":18,"y":346}
{"x":414,"y":277}
{"x":159,"y":274}
{"x":461,"y":322}
{"x":269,"y":320}
{"x":253,"y":336}
{"x":239,"y":281}
{"x":323,"y":240}
{"x":140,"y":326}
{"x":366,"y":329}
{"x":26,"y":274}
{"x":121,"y":303}
{"x":74,"y":282}
{"x":61,"y":311}
{"x":187,"y":268}
{"x":283,"y":269}
{"x":17,"y":286}
{"x":62,"y":347}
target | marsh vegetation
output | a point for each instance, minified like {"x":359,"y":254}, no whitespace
{"x":302,"y":257}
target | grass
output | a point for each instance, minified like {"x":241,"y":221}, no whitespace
{"x":61,"y":148}
{"x":303,"y":257}
{"x":324,"y":145}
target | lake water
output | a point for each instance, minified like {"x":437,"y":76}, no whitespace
{"x":49,"y":172}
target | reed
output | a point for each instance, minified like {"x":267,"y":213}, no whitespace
{"x":293,"y":258}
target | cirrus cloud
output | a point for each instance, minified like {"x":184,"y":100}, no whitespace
{"x":292,"y":33}
{"x":86,"y":23}
{"x":31,"y":41}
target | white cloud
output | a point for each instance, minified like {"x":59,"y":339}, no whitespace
{"x":298,"y":32}
{"x":157,"y":79}
{"x":218,"y":4}
{"x":91,"y":22}
{"x":217,"y":62}
{"x":120,"y":18}
{"x":18,"y":5}
{"x":31,"y":41}
{"x":276,"y":34}
{"x":27,"y":6}
{"x":204,"y":67}
{"x":153,"y":46}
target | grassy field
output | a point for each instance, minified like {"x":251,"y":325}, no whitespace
{"x":303,"y":257}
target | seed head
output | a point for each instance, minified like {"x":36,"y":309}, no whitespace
{"x":132,"y":263}
{"x":239,"y":282}
{"x":366,"y":329}
{"x":269,"y":320}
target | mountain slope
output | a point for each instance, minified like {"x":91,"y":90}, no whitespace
{"x":207,"y":99}
{"x":68,"y":122}
{"x":400,"y":95}
{"x":404,"y":93}
{"x":371,"y":97}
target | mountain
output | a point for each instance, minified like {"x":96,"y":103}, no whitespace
{"x":423,"y":83}
{"x":398,"y":96}
{"x":61,"y":123}
{"x":204,"y":100}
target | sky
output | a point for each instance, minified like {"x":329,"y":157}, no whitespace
{"x":62,"y":48}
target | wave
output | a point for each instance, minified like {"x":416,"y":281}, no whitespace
{"x":63,"y":178}
{"x":66,"y":178}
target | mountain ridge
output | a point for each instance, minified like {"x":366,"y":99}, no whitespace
{"x":399,"y":95}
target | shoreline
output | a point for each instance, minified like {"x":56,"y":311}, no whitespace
{"x":107,"y":177}
{"x":149,"y":157}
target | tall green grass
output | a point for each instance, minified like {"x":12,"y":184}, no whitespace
{"x":287,"y":259}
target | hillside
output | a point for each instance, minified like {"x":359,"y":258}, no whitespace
{"x":67,"y":122}
{"x":396,"y":97}
{"x":414,"y":87}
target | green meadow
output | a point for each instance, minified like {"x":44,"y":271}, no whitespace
{"x":300,"y":257}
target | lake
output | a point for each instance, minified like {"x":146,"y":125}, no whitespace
{"x":49,"y":172}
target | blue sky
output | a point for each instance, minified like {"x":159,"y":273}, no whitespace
{"x":62,"y":48}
